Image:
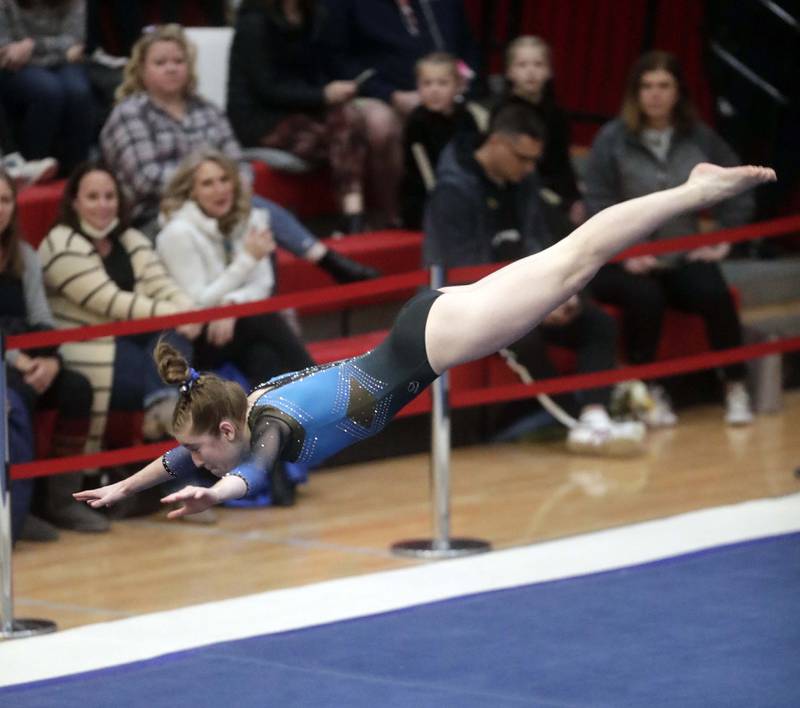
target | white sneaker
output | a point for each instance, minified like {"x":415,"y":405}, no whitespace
{"x":597,"y":434}
{"x":27,"y":172}
{"x":737,"y":405}
{"x":660,"y":413}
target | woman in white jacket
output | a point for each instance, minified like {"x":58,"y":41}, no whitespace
{"x":218,"y":249}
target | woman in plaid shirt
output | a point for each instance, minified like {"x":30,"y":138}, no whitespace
{"x":160,"y":119}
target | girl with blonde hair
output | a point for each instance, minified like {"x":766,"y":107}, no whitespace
{"x":529,"y":77}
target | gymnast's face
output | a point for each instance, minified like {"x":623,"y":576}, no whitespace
{"x":213,"y":189}
{"x":217,"y":453}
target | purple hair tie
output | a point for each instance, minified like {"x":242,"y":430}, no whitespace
{"x":186,"y":386}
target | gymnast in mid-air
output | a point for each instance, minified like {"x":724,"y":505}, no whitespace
{"x":311,"y":414}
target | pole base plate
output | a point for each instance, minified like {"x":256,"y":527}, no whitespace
{"x":21,"y":628}
{"x":432,"y":549}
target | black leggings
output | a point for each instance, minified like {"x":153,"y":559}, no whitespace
{"x":696,"y":287}
{"x":70,"y":394}
{"x":592,"y":335}
{"x":262,"y":346}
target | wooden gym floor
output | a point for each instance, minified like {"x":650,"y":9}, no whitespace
{"x":346,"y":518}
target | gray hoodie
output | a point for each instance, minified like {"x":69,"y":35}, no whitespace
{"x":621,"y":167}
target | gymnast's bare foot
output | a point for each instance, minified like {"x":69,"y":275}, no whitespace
{"x":718,"y":183}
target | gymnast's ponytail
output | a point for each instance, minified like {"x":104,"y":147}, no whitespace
{"x":205,"y":399}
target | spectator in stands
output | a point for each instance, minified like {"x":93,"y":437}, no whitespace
{"x":24,"y":172}
{"x":98,"y":269}
{"x":388,"y":37}
{"x":653,"y":145}
{"x":279,"y":96}
{"x":485,"y":208}
{"x":218,"y":249}
{"x":160,"y":119}
{"x":429,"y":127}
{"x":529,"y":73}
{"x":38,"y":377}
{"x":43,"y":83}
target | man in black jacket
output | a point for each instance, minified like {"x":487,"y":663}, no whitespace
{"x":486,"y":208}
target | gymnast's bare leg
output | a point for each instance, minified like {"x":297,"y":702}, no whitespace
{"x":473,"y":321}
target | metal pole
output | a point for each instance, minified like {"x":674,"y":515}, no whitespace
{"x":440,"y":461}
{"x":441,"y":545}
{"x":9,"y":627}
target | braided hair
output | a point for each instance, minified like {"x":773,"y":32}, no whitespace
{"x":205,"y":399}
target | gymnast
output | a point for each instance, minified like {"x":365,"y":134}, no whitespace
{"x":311,"y":414}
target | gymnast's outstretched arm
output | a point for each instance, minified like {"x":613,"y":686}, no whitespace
{"x":251,"y":476}
{"x":473,"y":321}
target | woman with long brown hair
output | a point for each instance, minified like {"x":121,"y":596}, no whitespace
{"x":98,"y":269}
{"x":654,"y":144}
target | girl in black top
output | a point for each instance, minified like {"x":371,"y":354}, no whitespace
{"x":530,"y":81}
{"x":431,"y":125}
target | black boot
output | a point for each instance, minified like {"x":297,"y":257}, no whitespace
{"x":345,"y":270}
{"x":37,"y":530}
{"x":61,"y":509}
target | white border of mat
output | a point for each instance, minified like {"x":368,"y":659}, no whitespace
{"x":111,"y":643}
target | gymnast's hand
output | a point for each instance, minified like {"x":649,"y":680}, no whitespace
{"x":193,"y":500}
{"x":102,"y":496}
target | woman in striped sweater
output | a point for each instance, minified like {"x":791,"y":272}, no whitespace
{"x":98,"y":270}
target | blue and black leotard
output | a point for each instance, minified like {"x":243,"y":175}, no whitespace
{"x":309,"y":415}
{"x":330,"y":407}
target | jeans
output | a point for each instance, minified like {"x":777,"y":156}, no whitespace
{"x":20,"y":442}
{"x":7,"y":142}
{"x":55,"y":111}
{"x":289,"y":232}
